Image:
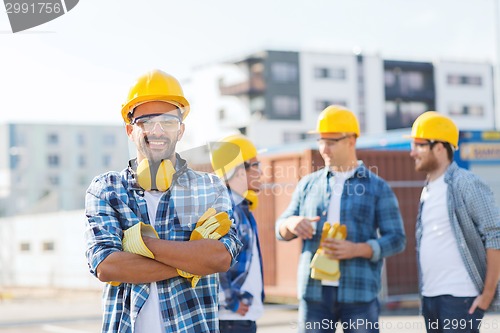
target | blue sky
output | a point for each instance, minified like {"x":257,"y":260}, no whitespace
{"x":78,"y":67}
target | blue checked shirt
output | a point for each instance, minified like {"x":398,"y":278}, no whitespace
{"x":114,"y":203}
{"x":369,"y":209}
{"x":475,"y":220}
{"x":232,"y":281}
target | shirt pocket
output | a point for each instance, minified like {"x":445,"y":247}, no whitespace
{"x":182,"y":227}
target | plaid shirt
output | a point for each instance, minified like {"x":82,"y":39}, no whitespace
{"x":368,"y":208}
{"x":114,"y":203}
{"x":232,"y":281}
{"x":475,"y":220}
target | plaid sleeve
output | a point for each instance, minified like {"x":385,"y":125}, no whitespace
{"x":482,"y":209}
{"x":392,"y":238}
{"x":223,"y":203}
{"x":232,"y":280}
{"x":104,"y":210}
{"x":293,"y":208}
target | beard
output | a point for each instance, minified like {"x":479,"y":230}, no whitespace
{"x":157,"y":148}
{"x":427,"y":165}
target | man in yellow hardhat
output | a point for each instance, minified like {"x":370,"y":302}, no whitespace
{"x":140,"y":222}
{"x":458,"y":232}
{"x":234,"y":159}
{"x":342,"y":288}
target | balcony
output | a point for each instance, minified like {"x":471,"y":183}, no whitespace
{"x":255,"y":86}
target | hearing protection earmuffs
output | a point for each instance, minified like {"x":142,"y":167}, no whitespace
{"x":252,"y":198}
{"x":155,"y":176}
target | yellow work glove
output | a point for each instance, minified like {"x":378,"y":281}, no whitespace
{"x":211,"y":225}
{"x":133,"y":242}
{"x":322,"y":267}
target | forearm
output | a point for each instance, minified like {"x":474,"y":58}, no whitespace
{"x":363,"y":250}
{"x":492,"y":273}
{"x":200,"y":257}
{"x":132,"y":268}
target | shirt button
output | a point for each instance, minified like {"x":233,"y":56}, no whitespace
{"x":141,"y":192}
{"x":324,"y":213}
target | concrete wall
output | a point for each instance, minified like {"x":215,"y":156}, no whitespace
{"x":25,"y":260}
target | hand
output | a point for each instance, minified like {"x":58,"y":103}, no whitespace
{"x":134,"y":241}
{"x":301,"y":226}
{"x":339,"y":249}
{"x":481,"y":302}
{"x":242,"y":309}
{"x":324,"y":267}
{"x":209,"y":226}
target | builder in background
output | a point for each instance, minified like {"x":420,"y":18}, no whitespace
{"x":234,"y":160}
{"x":458,"y":232}
{"x":344,"y":191}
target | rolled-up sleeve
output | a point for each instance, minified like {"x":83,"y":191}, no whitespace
{"x":103,"y":233}
{"x":392,"y":238}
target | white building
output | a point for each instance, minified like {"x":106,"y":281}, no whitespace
{"x":275,"y":96}
{"x":465,"y":92}
{"x":48,"y":167}
{"x":45,"y":250}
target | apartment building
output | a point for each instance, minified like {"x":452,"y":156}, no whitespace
{"x":48,"y":167}
{"x":275,"y":96}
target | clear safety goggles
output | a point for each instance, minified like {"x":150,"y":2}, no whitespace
{"x":167,"y":122}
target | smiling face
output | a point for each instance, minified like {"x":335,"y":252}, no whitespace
{"x":423,"y":154}
{"x":153,"y":132}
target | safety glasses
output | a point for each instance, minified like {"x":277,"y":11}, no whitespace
{"x":421,"y":145}
{"x":331,"y":141}
{"x":252,"y":165}
{"x":167,"y":122}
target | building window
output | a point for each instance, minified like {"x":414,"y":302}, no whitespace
{"x":464,"y":80}
{"x":80,"y":139}
{"x":321,"y":73}
{"x":53,"y":160}
{"x":401,"y":114}
{"x":321,"y":104}
{"x":294,"y":136}
{"x":330,"y":73}
{"x":389,"y":78}
{"x":48,"y":246}
{"x":222,"y":114}
{"x":24,"y":247}
{"x":15,"y":160}
{"x":109,"y":140}
{"x":286,"y":107}
{"x":83,"y":180}
{"x":52,"y":139}
{"x":284,"y":72}
{"x":82,"y":161}
{"x":53,"y":180}
{"x":106,"y":161}
{"x":466,"y":110}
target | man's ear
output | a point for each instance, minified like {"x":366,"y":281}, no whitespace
{"x":129,"y":129}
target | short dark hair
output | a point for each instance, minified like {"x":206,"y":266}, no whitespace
{"x":449,"y":149}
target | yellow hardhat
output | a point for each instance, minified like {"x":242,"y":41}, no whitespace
{"x":431,"y":125}
{"x":231,"y":152}
{"x":337,"y":119}
{"x":155,"y":85}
